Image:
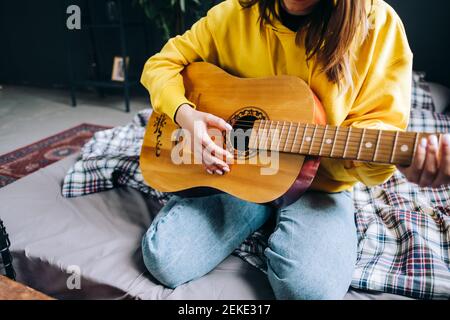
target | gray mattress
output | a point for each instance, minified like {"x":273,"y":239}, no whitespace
{"x":100,"y":235}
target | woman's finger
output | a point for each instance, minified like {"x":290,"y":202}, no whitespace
{"x":212,"y":169}
{"x":414,"y":171}
{"x":430,"y":167}
{"x":217,"y":122}
{"x":443,"y":176}
{"x":218,"y":152}
{"x":421,"y":153}
{"x":212,"y":164}
{"x":210,"y":161}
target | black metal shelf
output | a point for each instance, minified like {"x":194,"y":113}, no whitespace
{"x":120,"y":25}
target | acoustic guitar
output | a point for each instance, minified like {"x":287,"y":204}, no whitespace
{"x":280,"y":116}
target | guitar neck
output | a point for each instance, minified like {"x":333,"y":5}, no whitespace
{"x":368,"y":145}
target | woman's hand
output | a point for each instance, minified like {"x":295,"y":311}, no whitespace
{"x":431,"y":164}
{"x":197,"y":123}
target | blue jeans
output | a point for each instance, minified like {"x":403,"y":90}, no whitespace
{"x":311,"y":253}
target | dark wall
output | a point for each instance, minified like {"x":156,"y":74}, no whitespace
{"x":32,"y":46}
{"x":428,"y":27}
{"x":33,"y":40}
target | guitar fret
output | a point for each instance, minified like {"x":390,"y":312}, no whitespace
{"x":254,"y":136}
{"x":368,"y":145}
{"x":270,"y":136}
{"x":377,"y":145}
{"x":346,"y":141}
{"x":303,"y":138}
{"x":279,"y":136}
{"x":360,"y":144}
{"x":406,"y":147}
{"x":295,"y":137}
{"x":282,"y":136}
{"x":265,"y":135}
{"x":395,"y":147}
{"x":260,"y":135}
{"x":329,"y":141}
{"x":323,"y":139}
{"x":416,"y":141}
{"x":334,"y":141}
{"x":287,"y":138}
{"x":354,"y":136}
{"x":312,"y":139}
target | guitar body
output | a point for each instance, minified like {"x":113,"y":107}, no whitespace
{"x":283,"y":98}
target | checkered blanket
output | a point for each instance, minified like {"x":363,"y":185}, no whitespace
{"x":403,"y":230}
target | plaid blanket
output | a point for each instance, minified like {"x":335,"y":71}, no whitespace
{"x":111,"y":159}
{"x":403,"y":230}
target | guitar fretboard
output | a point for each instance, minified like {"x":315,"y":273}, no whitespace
{"x":369,"y":145}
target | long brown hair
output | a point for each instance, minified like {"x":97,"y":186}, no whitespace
{"x":328,"y":34}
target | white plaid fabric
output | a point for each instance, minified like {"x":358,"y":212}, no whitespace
{"x":403,"y":230}
{"x":404,"y":238}
{"x":111,"y":159}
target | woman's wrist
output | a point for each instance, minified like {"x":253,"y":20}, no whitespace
{"x":182,"y":113}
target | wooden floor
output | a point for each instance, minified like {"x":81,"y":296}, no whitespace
{"x":11,"y":290}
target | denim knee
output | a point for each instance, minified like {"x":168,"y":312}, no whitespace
{"x":306,"y":284}
{"x":308,"y":272}
{"x":161,"y":262}
{"x":312,"y":252}
{"x":191,"y":236}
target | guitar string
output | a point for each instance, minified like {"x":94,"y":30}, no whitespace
{"x":322,"y":127}
{"x":334,"y":129}
{"x":289,"y":124}
{"x":382,"y":151}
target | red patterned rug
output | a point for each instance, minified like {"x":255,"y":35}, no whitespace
{"x":21,"y":162}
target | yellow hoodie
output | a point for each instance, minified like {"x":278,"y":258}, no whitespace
{"x":231,"y":38}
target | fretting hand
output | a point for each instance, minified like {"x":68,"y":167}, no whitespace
{"x":431,"y":164}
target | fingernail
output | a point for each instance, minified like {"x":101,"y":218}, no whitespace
{"x":229,"y":127}
{"x":423,"y":143}
{"x":220,"y":173}
{"x":434,"y":141}
{"x":209,"y":171}
{"x":446,"y":139}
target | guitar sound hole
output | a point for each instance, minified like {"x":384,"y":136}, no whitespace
{"x":242,"y":122}
{"x":240,"y":135}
